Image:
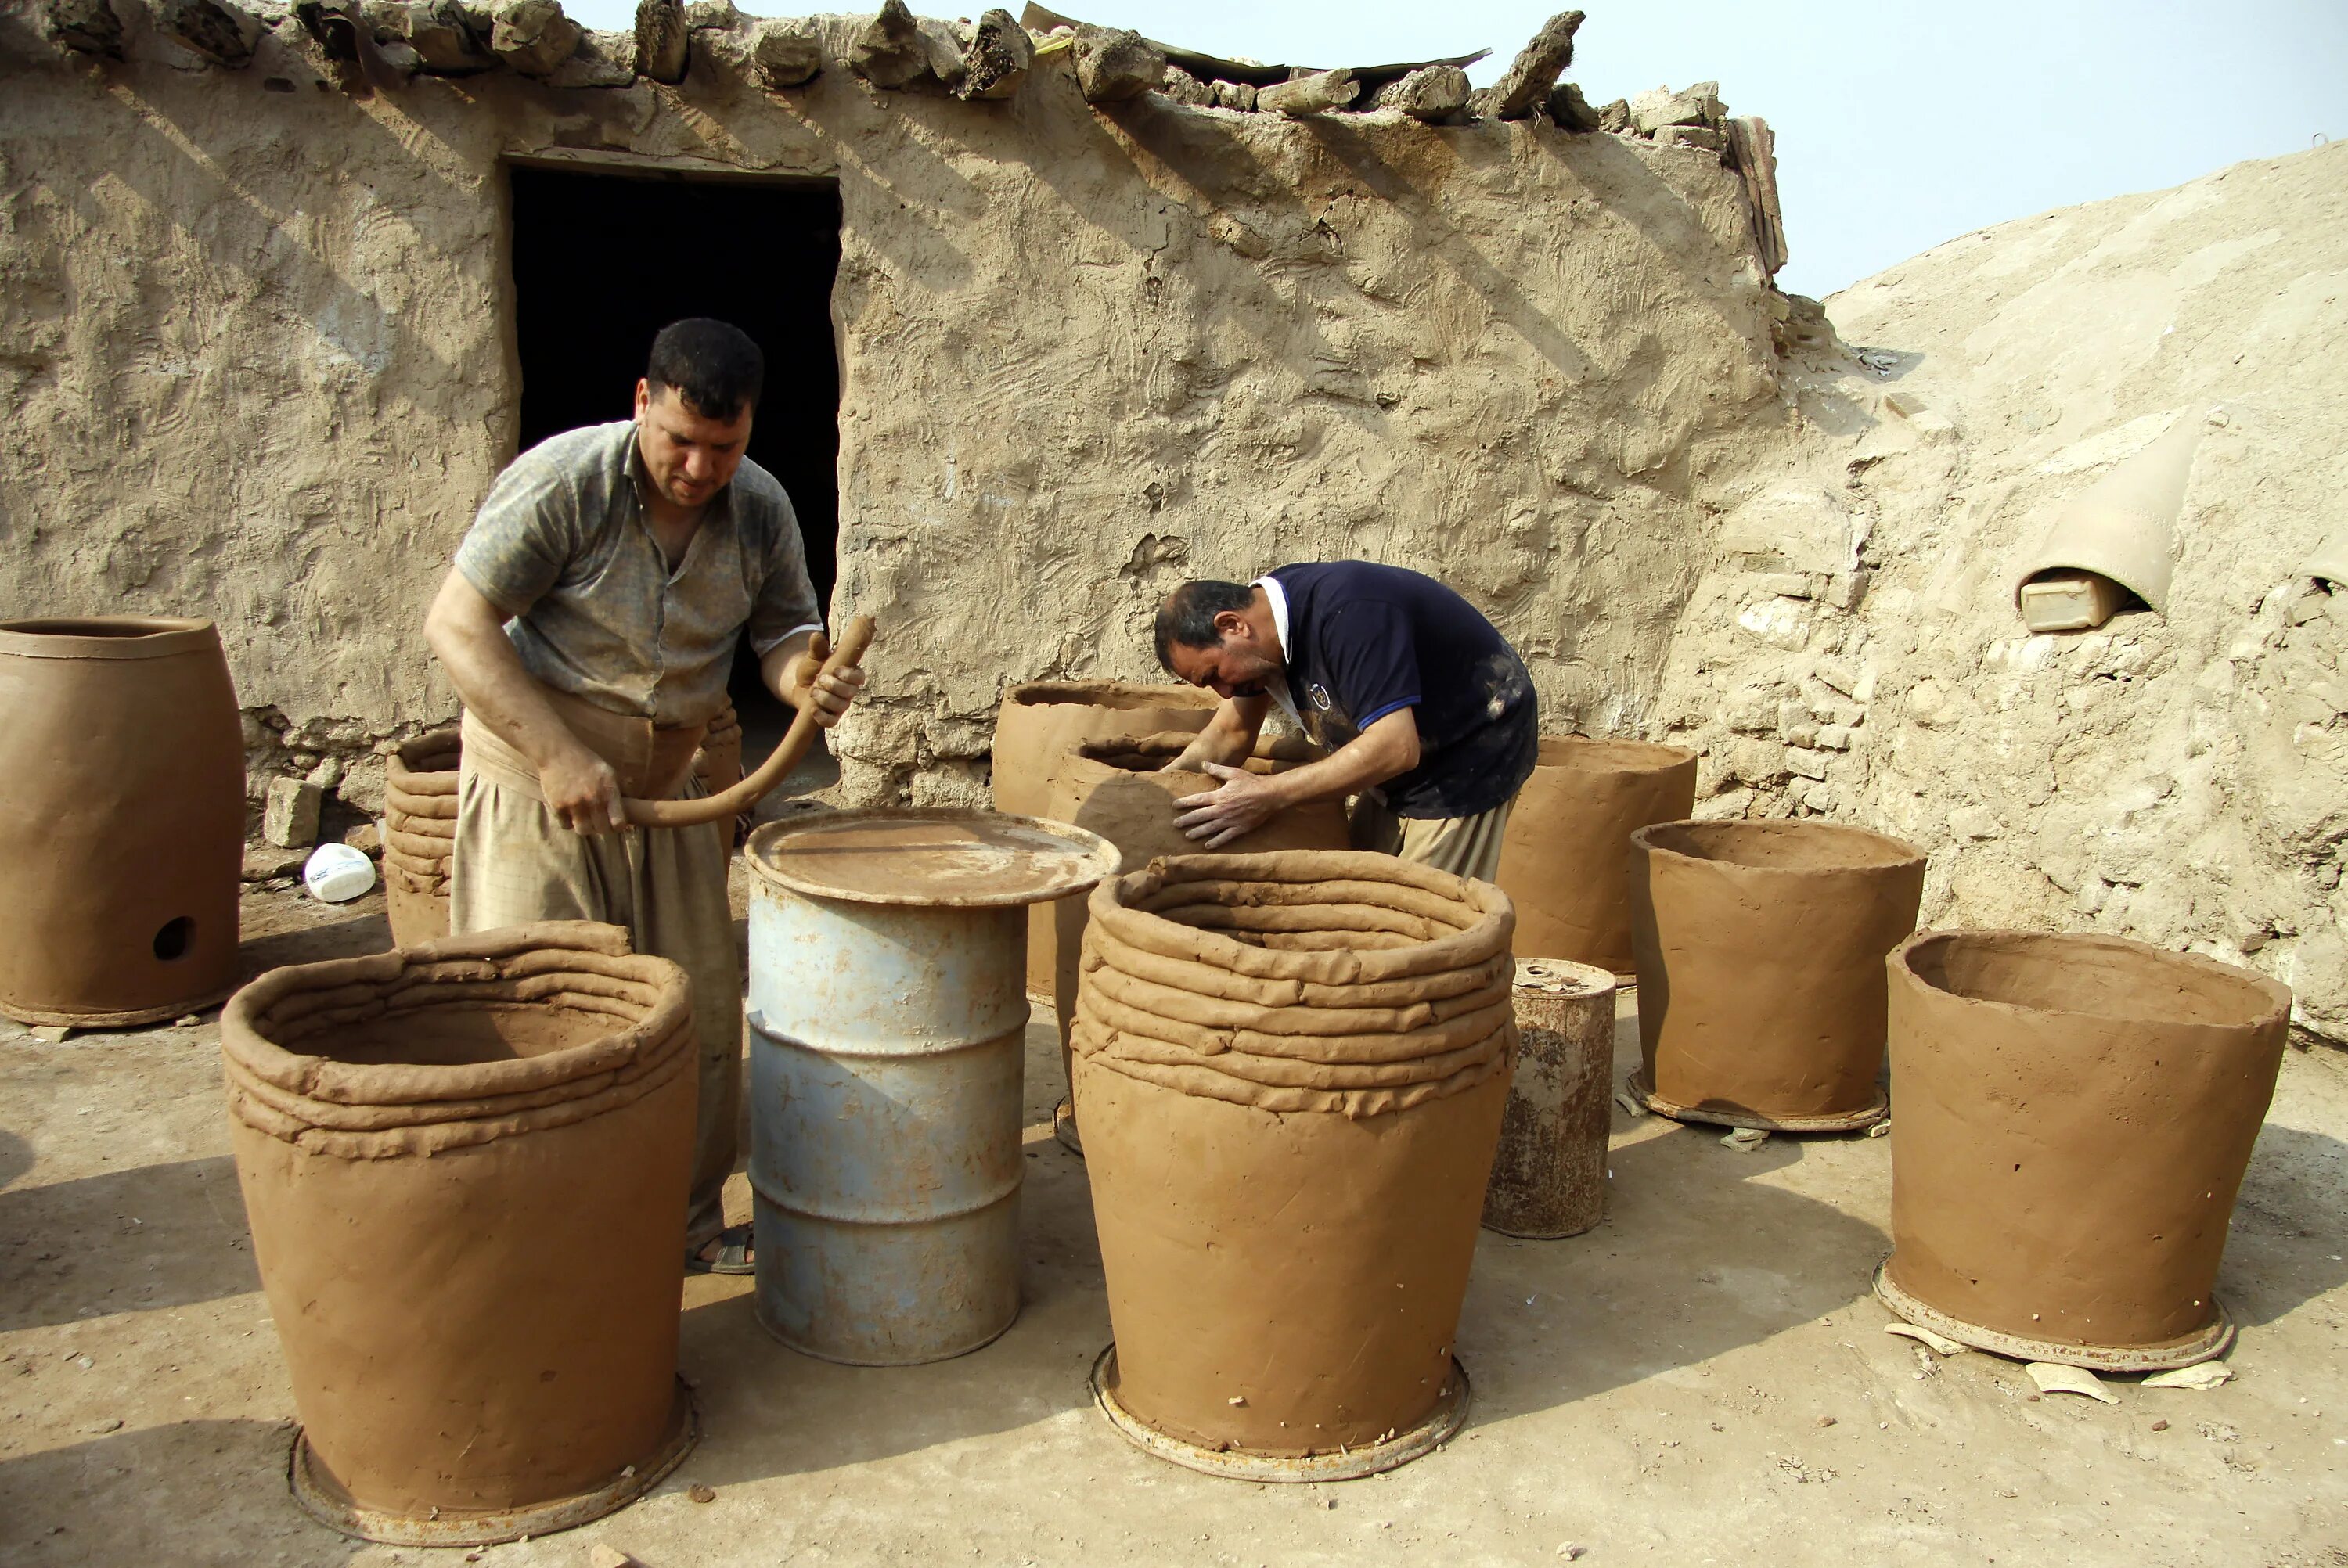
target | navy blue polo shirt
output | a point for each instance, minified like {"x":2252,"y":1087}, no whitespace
{"x":1363,"y":640}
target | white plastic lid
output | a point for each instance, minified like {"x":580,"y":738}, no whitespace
{"x":337,"y":873}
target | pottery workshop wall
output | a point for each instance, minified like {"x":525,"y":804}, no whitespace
{"x":258,"y":359}
{"x":2181,"y":776}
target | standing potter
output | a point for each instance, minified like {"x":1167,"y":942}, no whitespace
{"x":589,"y":624}
{"x":1424,"y":712}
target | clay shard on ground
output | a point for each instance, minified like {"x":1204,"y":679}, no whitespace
{"x":219,"y":30}
{"x":661,"y":40}
{"x":84,"y":26}
{"x":785,"y":53}
{"x":1526,"y":83}
{"x":1116,"y":66}
{"x":997,"y":61}
{"x":2053,"y":1378}
{"x":532,"y":37}
{"x":1311,"y":95}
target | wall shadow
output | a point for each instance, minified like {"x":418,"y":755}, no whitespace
{"x":125,"y":1241}
{"x":2286,"y":1246}
{"x":195,"y":1493}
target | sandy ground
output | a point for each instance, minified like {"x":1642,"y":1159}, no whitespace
{"x":1656,"y":1392}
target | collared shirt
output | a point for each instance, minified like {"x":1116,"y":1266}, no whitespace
{"x":1362,"y":640}
{"x":1277,"y":596}
{"x":563,"y":545}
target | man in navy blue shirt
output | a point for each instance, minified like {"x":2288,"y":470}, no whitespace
{"x":1424,"y":712}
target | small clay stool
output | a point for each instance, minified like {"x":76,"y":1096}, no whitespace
{"x":1549,"y":1176}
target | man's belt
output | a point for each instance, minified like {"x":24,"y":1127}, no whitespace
{"x":654,"y":761}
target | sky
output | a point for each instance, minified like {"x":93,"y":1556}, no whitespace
{"x":1898,"y":124}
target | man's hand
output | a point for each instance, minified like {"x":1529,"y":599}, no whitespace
{"x":581,"y":789}
{"x":828,"y":695}
{"x":1244,"y":803}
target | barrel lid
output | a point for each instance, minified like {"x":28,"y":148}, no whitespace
{"x":939,"y":858}
{"x":1562,"y":976}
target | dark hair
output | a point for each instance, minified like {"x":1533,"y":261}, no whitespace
{"x":713,"y":366}
{"x":1187,"y":616}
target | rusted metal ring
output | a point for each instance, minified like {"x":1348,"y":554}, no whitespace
{"x":1637,"y":1086}
{"x":1440,"y":1426}
{"x":326,"y":1502}
{"x":2204,"y":1344}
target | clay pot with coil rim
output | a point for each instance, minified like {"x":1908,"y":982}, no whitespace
{"x":465,"y":1166}
{"x":1760,"y":948}
{"x":122,"y":838}
{"x":1040,"y":722}
{"x":1565,"y":859}
{"x":1288,"y":1138}
{"x":1119,"y":789}
{"x":2075,"y":1116}
{"x":420,"y":834}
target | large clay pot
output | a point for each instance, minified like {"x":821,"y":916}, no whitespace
{"x":1042,"y":722}
{"x":1760,"y":950}
{"x":122,"y":824}
{"x":465,"y":1165}
{"x":2075,"y":1115}
{"x":1565,"y":859}
{"x":420,"y":836}
{"x":1290,"y":1069}
{"x":1118,"y":789}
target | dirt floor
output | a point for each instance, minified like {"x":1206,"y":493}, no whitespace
{"x":1704,"y":1378}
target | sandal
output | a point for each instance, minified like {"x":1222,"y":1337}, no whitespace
{"x":735,"y":1245}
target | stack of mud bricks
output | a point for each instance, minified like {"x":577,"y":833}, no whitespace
{"x":420,"y":834}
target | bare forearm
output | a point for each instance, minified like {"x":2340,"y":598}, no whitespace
{"x":1229,"y":737}
{"x":1385,"y":750}
{"x":782,"y":668}
{"x":471,"y":644}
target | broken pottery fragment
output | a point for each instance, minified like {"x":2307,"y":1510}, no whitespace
{"x":1041,"y":723}
{"x":2122,"y":528}
{"x":1940,"y":1344}
{"x":1291,"y":1070}
{"x":1760,"y":947}
{"x":465,"y":1166}
{"x":121,"y":847}
{"x":1565,"y":859}
{"x":786,"y":56}
{"x":2054,"y":1377}
{"x":2075,"y":1116}
{"x":1114,"y":66}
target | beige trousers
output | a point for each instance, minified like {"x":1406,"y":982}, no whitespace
{"x":1463,"y":846}
{"x":515,"y":863}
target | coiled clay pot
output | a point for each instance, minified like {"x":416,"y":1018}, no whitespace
{"x":122,"y":824}
{"x":1565,"y":860}
{"x":465,"y":1166}
{"x":2075,"y":1115}
{"x":1760,"y":949}
{"x":1042,"y":722}
{"x":420,"y":836}
{"x":1118,"y":789}
{"x":1290,"y":1069}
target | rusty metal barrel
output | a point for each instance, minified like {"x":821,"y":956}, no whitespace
{"x":1548,"y":1175}
{"x":887,"y":1015}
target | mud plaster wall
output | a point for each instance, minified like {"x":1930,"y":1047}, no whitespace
{"x":255,"y":348}
{"x":1854,"y":648}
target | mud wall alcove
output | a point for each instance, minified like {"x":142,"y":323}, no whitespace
{"x":603,"y":256}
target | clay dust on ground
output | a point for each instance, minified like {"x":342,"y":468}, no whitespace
{"x":1703,"y":1378}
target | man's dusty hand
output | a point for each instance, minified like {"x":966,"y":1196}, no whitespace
{"x":826,"y":695}
{"x":582,"y":791}
{"x":1245,"y":802}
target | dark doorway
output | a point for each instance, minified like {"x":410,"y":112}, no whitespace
{"x":603,"y":261}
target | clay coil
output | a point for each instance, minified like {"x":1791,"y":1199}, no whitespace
{"x":401,"y":806}
{"x":422,"y":875}
{"x":1337,"y":1052}
{"x":1326,"y":941}
{"x":422,"y":846}
{"x":1217,"y":1012}
{"x":1295,"y":1072}
{"x":1437,"y":915}
{"x":1205,"y":1082}
{"x":1206,"y":979}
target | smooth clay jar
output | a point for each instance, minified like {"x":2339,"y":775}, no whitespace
{"x":1566,"y":856}
{"x":2075,"y":1115}
{"x":121,"y":821}
{"x":1290,"y":1070}
{"x":1041,"y":723}
{"x":465,"y":1167}
{"x":1760,"y":949}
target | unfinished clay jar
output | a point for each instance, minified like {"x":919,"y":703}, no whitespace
{"x":465,"y":1167}
{"x":1565,"y":859}
{"x":1548,"y":1175}
{"x":121,"y":820}
{"x":1289,"y":1069}
{"x":1760,"y":950}
{"x":420,"y":836}
{"x":2075,"y":1115}
{"x":1042,"y":722}
{"x":1118,"y":789}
